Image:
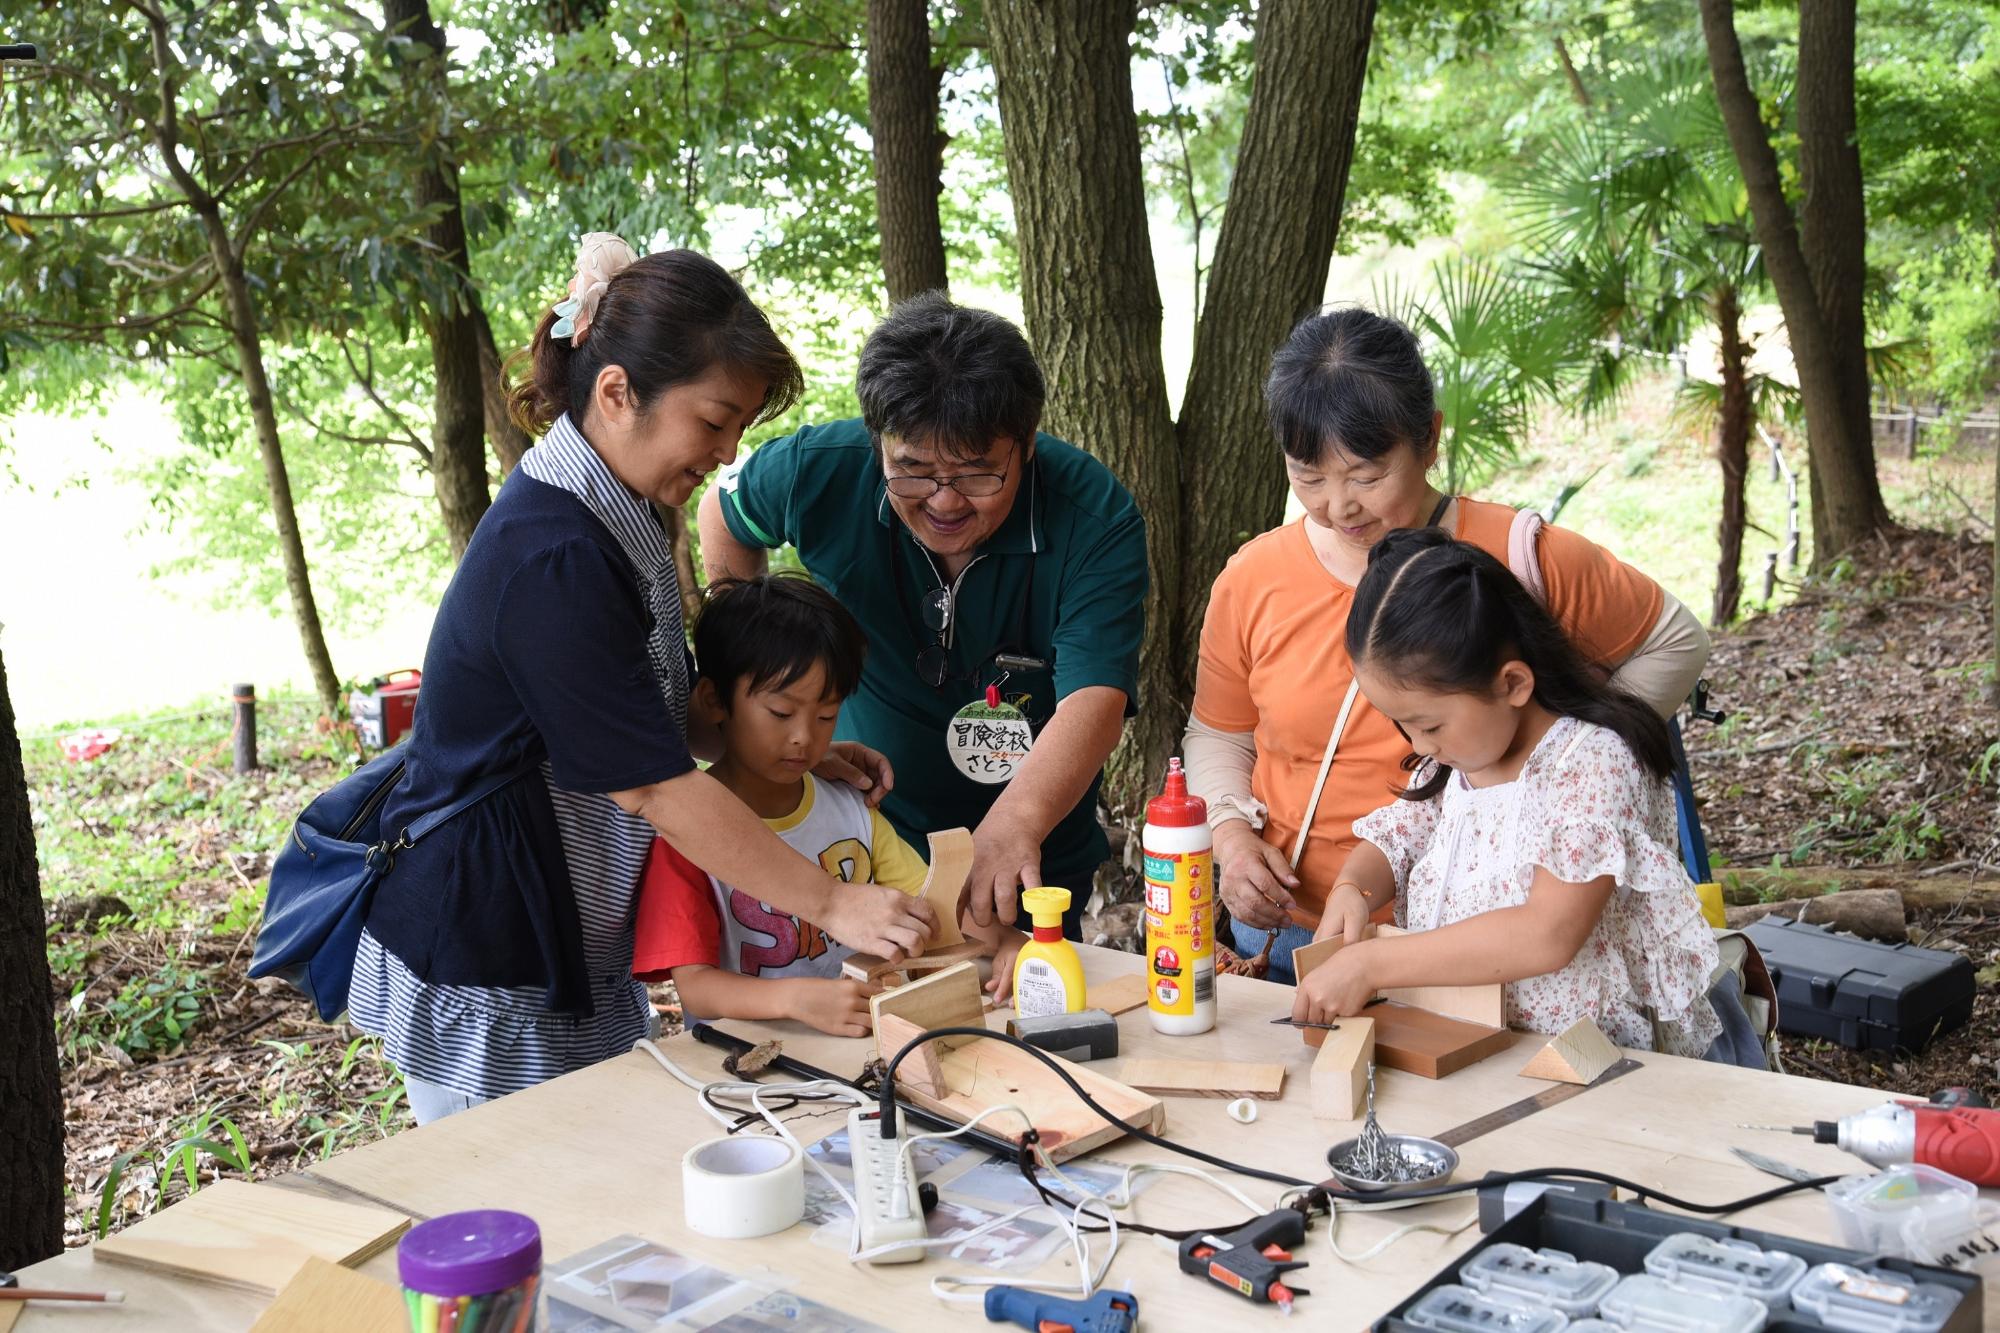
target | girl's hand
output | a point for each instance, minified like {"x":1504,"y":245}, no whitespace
{"x":1256,"y":880}
{"x":1346,"y":916}
{"x":1339,"y":986}
{"x":837,"y":1006}
{"x":866,"y":770}
{"x":1002,"y":985}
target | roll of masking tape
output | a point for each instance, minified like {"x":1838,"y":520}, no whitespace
{"x":735,"y":1188}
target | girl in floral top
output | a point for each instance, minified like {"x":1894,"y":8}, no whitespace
{"x":1534,"y":844}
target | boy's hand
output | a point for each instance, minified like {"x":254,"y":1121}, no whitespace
{"x":1008,"y":948}
{"x":872,"y":919}
{"x":837,"y":1006}
{"x":1339,"y":986}
{"x":866,"y":770}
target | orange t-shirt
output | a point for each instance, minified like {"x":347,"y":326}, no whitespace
{"x":1274,"y":662}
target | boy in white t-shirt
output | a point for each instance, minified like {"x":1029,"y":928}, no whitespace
{"x":776,"y":655}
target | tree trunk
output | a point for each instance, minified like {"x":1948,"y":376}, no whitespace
{"x":1874,"y":913}
{"x":1278,"y":233}
{"x":1063,"y":69}
{"x":31,"y":1124}
{"x":458,"y":435}
{"x":909,"y":146}
{"x":509,"y":441}
{"x":1847,"y":500}
{"x":1732,"y":450}
{"x":680,"y":540}
{"x":1833,"y":232}
{"x":1575,"y":80}
{"x":1956,"y":896}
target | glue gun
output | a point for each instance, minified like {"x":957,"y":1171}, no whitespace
{"x":1106,"y":1312}
{"x":1253,"y":1259}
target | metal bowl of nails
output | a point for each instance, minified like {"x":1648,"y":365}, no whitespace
{"x":1389,"y":1164}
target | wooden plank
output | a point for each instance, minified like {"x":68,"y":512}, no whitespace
{"x":982,"y":1074}
{"x":943,"y":999}
{"x":933,"y":960}
{"x":251,"y":1236}
{"x":1204,"y":1078}
{"x":1577,"y":1054}
{"x":326,"y":1298}
{"x":1340,"y":1070}
{"x":1312,"y":955}
{"x":1432,"y":1045}
{"x":1118,"y":995}
{"x":920,"y":1068}
{"x":951,"y":863}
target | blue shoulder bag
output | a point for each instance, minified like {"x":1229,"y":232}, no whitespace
{"x":325,"y":876}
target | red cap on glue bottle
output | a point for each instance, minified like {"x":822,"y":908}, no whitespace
{"x":1174,"y":808}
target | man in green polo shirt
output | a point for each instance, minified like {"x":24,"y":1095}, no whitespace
{"x":987,"y":563}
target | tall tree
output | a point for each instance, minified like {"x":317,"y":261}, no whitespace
{"x":909,"y":146}
{"x":1819,"y":275}
{"x":1092,"y":298}
{"x":31,"y":1126}
{"x":458,"y":426}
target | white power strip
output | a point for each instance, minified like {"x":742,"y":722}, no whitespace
{"x":883,"y":1218}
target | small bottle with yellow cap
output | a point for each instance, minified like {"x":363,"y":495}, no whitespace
{"x":1048,"y":976}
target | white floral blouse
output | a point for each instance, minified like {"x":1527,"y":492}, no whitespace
{"x":1582,"y":807}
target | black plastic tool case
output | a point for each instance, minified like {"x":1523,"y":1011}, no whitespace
{"x":1863,"y":994}
{"x":1623,"y":1234}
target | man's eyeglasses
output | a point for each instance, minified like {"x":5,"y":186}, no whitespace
{"x":972,"y":485}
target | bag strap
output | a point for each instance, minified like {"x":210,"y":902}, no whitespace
{"x":423,"y":824}
{"x":1325,"y":763}
{"x":1523,"y":536}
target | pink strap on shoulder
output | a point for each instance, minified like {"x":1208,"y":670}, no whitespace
{"x":1523,"y":536}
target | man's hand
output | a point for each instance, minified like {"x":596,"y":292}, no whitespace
{"x":866,"y":770}
{"x":837,"y":1006}
{"x":871,"y":919}
{"x":1341,"y":985}
{"x":1256,"y":879}
{"x":1006,"y":858}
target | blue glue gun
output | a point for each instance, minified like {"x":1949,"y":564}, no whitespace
{"x":1106,"y":1312}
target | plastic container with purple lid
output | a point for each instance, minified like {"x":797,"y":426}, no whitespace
{"x":478,"y":1269}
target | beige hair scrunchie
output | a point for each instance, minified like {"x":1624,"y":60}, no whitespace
{"x":600,"y":258}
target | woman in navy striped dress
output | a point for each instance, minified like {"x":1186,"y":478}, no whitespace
{"x":498,"y":950}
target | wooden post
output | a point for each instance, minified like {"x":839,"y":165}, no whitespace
{"x":1770,"y":574}
{"x":1913,"y":430}
{"x":244,"y":697}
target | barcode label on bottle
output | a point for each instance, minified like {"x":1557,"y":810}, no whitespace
{"x":1204,"y":986}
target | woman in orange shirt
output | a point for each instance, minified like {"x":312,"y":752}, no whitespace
{"x":1286,"y":752}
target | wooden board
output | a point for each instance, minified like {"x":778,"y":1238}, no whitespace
{"x":868,"y":967}
{"x":1418,"y":1041}
{"x":951,"y":863}
{"x":943,"y":999}
{"x":1204,"y":1078}
{"x":326,"y":1298}
{"x":1340,"y":1070}
{"x":1310,"y":956}
{"x":1481,"y":1004}
{"x":255,"y":1237}
{"x":1118,"y":995}
{"x":1578,"y":1054}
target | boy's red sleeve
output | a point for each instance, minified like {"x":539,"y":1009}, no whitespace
{"x":676,"y":923}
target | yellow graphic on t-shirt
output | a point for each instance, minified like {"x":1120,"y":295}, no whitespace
{"x":848,"y":861}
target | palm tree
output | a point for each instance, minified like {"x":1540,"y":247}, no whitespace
{"x":1638,"y":221}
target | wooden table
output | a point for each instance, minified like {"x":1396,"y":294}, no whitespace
{"x":597,"y":1154}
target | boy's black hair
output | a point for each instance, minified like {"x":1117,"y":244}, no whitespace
{"x":1444,"y":615}
{"x":772,"y":630}
{"x":1349,"y":378}
{"x":950,"y":377}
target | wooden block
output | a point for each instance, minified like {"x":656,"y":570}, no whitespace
{"x":943,"y":999}
{"x":254,"y":1237}
{"x":1119,"y":994}
{"x":1578,"y":1054}
{"x":987,"y":1073}
{"x":326,"y":1298}
{"x":932,"y":960}
{"x":1204,"y":1078}
{"x":920,"y":1068}
{"x":1418,"y":1041}
{"x":1312,"y":955}
{"x":1340,"y":1070}
{"x":951,"y":863}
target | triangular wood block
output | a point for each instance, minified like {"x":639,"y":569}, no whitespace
{"x":1578,"y":1054}
{"x":326,"y":1298}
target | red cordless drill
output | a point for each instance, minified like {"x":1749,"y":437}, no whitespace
{"x":1947,"y":1132}
{"x":1253,"y":1259}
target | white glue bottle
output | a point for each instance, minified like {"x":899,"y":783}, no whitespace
{"x":1180,"y":909}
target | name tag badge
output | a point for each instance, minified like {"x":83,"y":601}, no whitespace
{"x":988,"y":741}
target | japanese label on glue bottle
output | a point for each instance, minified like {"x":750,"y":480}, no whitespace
{"x":1180,"y":910}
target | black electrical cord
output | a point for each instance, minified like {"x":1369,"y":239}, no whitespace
{"x":1318,"y":1196}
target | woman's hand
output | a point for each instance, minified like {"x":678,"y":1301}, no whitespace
{"x":1341,"y":985}
{"x":866,"y":770}
{"x":1346,"y":916}
{"x":1001,"y":987}
{"x":837,"y":1006}
{"x":872,"y":919}
{"x":1256,"y":879}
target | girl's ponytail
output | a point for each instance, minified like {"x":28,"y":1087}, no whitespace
{"x":1444,"y":615}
